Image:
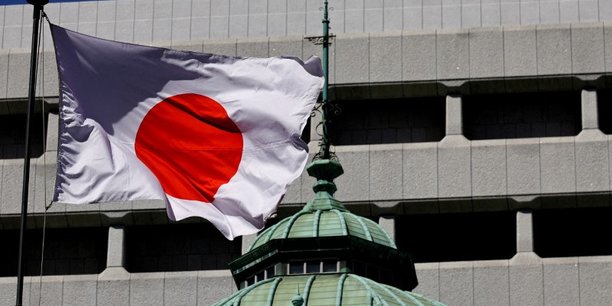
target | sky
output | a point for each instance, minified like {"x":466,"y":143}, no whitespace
{"x":10,"y":2}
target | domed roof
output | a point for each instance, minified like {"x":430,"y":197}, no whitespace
{"x":313,"y":223}
{"x":343,"y":289}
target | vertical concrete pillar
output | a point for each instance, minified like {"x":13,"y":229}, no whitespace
{"x":589,"y":110}
{"x":115,"y":254}
{"x":454,"y":116}
{"x":247,"y":241}
{"x":524,"y":231}
{"x":315,"y":129}
{"x":388,"y":224}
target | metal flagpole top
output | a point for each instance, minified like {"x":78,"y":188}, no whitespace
{"x":38,"y":2}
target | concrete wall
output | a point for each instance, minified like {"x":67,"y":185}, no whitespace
{"x":523,"y":280}
{"x":183,"y":20}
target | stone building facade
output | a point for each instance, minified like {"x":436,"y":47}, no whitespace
{"x":477,"y":132}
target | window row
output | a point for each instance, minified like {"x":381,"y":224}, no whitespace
{"x":485,"y":116}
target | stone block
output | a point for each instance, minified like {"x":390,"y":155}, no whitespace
{"x":384,"y":50}
{"x":116,"y":247}
{"x":429,"y":280}
{"x":454,"y":167}
{"x":7,"y":290}
{"x":489,"y":167}
{"x":589,"y":109}
{"x":413,"y":15}
{"x":181,"y":29}
{"x":113,"y":290}
{"x":354,"y":184}
{"x":18,"y":69}
{"x":419,"y":56}
{"x":125,"y":10}
{"x":45,"y":291}
{"x":471,"y":14}
{"x":568,"y":11}
{"x":238,"y":18}
{"x":258,"y":18}
{"x":486,"y":53}
{"x":294,"y":192}
{"x":180,"y":288}
{"x":143,"y":30}
{"x":12,"y":37}
{"x":87,"y":17}
{"x":561,"y":282}
{"x":386,"y":172}
{"x":373,"y":16}
{"x":592,"y":164}
{"x":524,"y":231}
{"x":432,"y":15}
{"x":354,"y":16}
{"x":526,"y":285}
{"x":286,"y":46}
{"x":219,"y":19}
{"x":200,"y":28}
{"x":420,"y":173}
{"x":520,"y":51}
{"x":106,"y":30}
{"x":595,"y":279}
{"x":147,"y":289}
{"x":589,"y":10}
{"x":491,"y":285}
{"x":491,"y":14}
{"x":79,"y":290}
{"x":214,"y":286}
{"x":277,"y":18}
{"x":107,"y":11}
{"x":554,"y":49}
{"x":12,"y":180}
{"x":523,"y":166}
{"x":558,"y":168}
{"x":252,"y":48}
{"x":587,"y":48}
{"x":224,"y":47}
{"x":393,"y":15}
{"x":296,"y":21}
{"x":452,"y":13}
{"x":313,"y":18}
{"x":530,"y":11}
{"x":605,"y":11}
{"x":4,"y":64}
{"x":510,"y":12}
{"x":452,"y":51}
{"x":457,"y":283}
{"x":347,"y":49}
{"x":454,"y":116}
{"x":549,"y":12}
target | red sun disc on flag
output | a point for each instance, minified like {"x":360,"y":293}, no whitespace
{"x":191,"y":145}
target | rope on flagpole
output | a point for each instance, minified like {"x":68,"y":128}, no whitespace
{"x":41,"y":51}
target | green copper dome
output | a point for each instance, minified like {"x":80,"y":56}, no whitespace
{"x":342,"y":289}
{"x":325,"y":223}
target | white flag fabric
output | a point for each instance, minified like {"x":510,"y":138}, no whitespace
{"x":213,"y":136}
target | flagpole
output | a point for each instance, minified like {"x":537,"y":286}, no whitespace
{"x":325,"y":98}
{"x":38,"y":8}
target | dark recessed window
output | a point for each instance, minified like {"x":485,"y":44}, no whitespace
{"x":67,"y":251}
{"x":388,"y":121}
{"x":572,"y":232}
{"x":13,"y":132}
{"x":457,"y":237}
{"x":178,"y":247}
{"x":522,"y":115}
{"x":296,"y":268}
{"x":604,"y":110}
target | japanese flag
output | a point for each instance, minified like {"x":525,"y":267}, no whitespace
{"x":213,"y":136}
